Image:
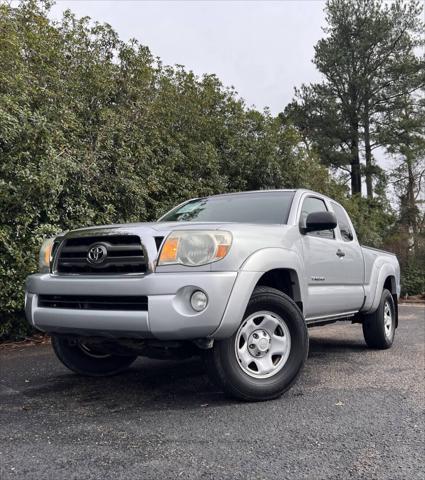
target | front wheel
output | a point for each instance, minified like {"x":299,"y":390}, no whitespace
{"x":84,"y":359}
{"x":265,"y":355}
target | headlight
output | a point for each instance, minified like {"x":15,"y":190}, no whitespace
{"x":45,"y":255}
{"x":194,"y":248}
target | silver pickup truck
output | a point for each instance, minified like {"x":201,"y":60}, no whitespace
{"x":237,"y":278}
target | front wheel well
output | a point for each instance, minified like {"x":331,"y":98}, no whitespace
{"x":285,"y":280}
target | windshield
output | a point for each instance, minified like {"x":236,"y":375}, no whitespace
{"x":262,"y":207}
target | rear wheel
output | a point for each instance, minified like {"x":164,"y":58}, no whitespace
{"x":85,"y":359}
{"x":379,"y":327}
{"x":265,"y":355}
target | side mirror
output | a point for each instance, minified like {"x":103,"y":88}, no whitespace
{"x":317,"y":221}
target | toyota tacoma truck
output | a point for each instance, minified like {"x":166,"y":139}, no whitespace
{"x":236,"y":278}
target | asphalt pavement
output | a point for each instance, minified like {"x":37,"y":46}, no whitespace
{"x":355,"y":413}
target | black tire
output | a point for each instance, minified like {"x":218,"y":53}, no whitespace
{"x":375,"y":332}
{"x":223,"y":365}
{"x":74,"y":357}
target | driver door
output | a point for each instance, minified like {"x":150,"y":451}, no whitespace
{"x":322,"y":265}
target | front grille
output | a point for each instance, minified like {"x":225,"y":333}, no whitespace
{"x":94,"y":302}
{"x":123,"y":254}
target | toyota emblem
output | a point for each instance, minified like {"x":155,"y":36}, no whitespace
{"x":97,"y":254}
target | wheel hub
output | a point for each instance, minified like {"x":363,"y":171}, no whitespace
{"x":262,"y":344}
{"x":388,"y":320}
{"x":259,"y":343}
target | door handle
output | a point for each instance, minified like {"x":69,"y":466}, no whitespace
{"x":340,"y":253}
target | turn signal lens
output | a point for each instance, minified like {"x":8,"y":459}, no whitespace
{"x":48,"y":253}
{"x":45,"y":256}
{"x":222,"y":251}
{"x":169,"y":250}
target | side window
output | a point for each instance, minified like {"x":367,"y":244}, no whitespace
{"x":310,"y":205}
{"x":343,"y":223}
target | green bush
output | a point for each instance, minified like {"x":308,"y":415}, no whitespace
{"x":413,"y":280}
{"x":13,"y":326}
{"x":95,"y":131}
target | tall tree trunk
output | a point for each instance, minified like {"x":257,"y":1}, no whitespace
{"x":368,"y":152}
{"x":356,"y":178}
{"x":411,"y":205}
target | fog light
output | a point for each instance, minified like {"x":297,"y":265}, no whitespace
{"x":199,"y":301}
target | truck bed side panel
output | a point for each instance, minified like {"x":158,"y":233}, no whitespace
{"x":379,"y":265}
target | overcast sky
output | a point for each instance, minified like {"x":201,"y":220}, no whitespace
{"x":262,"y":48}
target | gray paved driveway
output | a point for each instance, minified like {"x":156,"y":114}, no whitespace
{"x":355,"y":413}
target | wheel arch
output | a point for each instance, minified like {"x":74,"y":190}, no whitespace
{"x":274,"y":267}
{"x":390,"y":284}
{"x":285,"y":280}
{"x":386,"y":279}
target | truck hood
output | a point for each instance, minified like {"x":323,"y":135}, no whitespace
{"x":161,"y":228}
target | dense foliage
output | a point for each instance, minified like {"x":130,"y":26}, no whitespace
{"x":94,"y":130}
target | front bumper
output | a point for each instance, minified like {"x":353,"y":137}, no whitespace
{"x":169,"y":315}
